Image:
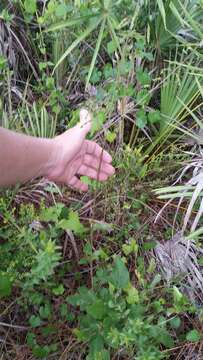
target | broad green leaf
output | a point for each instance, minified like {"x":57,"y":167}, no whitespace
{"x":97,"y":344}
{"x":31,"y":339}
{"x":73,"y":223}
{"x":99,"y":355}
{"x":30,"y":6}
{"x":120,"y":275}
{"x":97,"y":310}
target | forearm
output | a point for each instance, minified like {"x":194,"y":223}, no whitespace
{"x":22,"y":157}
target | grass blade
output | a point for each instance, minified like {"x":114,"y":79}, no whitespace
{"x":98,"y":44}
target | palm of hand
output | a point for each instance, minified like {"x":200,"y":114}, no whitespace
{"x":75,"y":156}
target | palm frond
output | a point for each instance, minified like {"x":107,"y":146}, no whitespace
{"x":37,"y":122}
{"x":178,"y":258}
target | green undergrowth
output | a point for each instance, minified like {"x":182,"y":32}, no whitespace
{"x":102,"y":287}
{"x":79,"y":276}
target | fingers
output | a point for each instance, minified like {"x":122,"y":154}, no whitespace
{"x":94,"y":149}
{"x":95,"y":163}
{"x":92,"y":173}
{"x":75,"y":183}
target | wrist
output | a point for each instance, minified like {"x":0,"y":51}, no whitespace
{"x":49,"y":150}
{"x":51,"y":166}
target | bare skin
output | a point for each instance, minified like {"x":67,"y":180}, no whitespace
{"x":62,"y":159}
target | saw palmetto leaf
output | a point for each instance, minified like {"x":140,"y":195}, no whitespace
{"x":178,"y":258}
{"x":192,"y":191}
{"x":38,"y":122}
{"x":179,"y":93}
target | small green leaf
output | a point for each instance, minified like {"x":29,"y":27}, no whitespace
{"x":86,"y":180}
{"x":120,"y":275}
{"x":31,"y":339}
{"x":111,"y":47}
{"x":98,"y":121}
{"x":30,"y":6}
{"x":193,"y":336}
{"x":149,"y":245}
{"x":154,"y":116}
{"x":133,"y":295}
{"x":102,"y":226}
{"x":5,"y":286}
{"x":143,"y":97}
{"x":200,"y":261}
{"x":166,"y":339}
{"x":108,"y":71}
{"x":175,"y":322}
{"x":45,"y":311}
{"x":95,"y":76}
{"x":141,"y":119}
{"x":63,"y":310}
{"x":130,"y":248}
{"x":48,"y":330}
{"x":59,"y":290}
{"x":35,"y":321}
{"x":177,"y":295}
{"x":143,"y":77}
{"x":110,"y":136}
{"x":40,"y":352}
{"x":52,"y":213}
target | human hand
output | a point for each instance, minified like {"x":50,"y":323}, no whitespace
{"x":73,"y":156}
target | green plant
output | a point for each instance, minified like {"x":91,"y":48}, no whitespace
{"x":168,"y":25}
{"x":179,"y":92}
{"x":115,"y":315}
{"x":102,"y":17}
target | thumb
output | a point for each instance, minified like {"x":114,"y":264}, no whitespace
{"x":85,"y":121}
